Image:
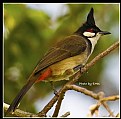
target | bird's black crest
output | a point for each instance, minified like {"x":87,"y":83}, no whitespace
{"x":90,"y":18}
{"x":90,"y":23}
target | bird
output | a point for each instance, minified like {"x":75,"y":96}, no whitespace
{"x":64,"y":58}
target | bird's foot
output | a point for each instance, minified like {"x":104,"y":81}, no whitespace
{"x":55,"y":91}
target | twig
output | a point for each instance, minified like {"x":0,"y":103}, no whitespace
{"x":108,"y":109}
{"x":61,"y":97}
{"x":110,"y":98}
{"x":77,"y":76}
{"x":98,"y":96}
{"x":94,"y":109}
{"x":66,"y":114}
{"x":82,"y":90}
{"x":76,"y":88}
{"x":18,"y":112}
{"x":117,"y":115}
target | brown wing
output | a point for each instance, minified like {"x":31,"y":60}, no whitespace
{"x":70,"y":46}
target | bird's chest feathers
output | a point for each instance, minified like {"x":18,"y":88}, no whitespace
{"x":93,"y":41}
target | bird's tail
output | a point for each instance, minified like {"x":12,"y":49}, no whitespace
{"x":20,"y":95}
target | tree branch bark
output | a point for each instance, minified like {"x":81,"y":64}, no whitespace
{"x":18,"y":112}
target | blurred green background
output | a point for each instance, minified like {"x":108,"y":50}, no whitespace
{"x":30,"y":30}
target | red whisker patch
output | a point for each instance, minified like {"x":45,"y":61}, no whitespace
{"x":89,"y":30}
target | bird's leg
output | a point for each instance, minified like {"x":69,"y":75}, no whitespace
{"x":78,"y":67}
{"x":52,"y":85}
{"x":81,"y":68}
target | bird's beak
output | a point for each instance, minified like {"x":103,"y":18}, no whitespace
{"x":104,"y":32}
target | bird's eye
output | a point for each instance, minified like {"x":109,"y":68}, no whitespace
{"x":90,"y":30}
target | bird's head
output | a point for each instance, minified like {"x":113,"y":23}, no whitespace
{"x":89,"y":28}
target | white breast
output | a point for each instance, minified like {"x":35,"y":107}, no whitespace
{"x":94,"y":40}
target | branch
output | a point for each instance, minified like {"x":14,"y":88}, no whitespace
{"x":98,"y":96}
{"x":18,"y":112}
{"x":110,"y":98}
{"x":94,"y":108}
{"x":77,"y":76}
{"x":72,"y":87}
{"x":66,"y":114}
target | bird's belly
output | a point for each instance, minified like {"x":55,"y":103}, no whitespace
{"x":64,"y":69}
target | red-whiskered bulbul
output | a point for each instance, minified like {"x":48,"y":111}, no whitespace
{"x":65,"y":58}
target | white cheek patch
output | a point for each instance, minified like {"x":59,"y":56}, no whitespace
{"x":89,"y":34}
